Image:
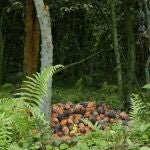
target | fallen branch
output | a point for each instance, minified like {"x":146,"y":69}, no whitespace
{"x":83,"y":60}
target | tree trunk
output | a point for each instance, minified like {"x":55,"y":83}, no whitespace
{"x":1,"y":50}
{"x":147,"y":11}
{"x":1,"y":55}
{"x":46,"y":48}
{"x":31,"y":48}
{"x":131,"y":47}
{"x":116,"y":50}
{"x":147,"y":70}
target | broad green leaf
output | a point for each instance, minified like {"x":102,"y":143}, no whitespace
{"x":146,"y":86}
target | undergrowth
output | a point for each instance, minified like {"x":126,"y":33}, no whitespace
{"x":23,"y":126}
{"x":106,"y":94}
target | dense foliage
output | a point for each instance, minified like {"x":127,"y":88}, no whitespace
{"x":80,"y":29}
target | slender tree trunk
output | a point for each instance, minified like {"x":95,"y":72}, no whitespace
{"x":131,"y":47}
{"x":1,"y":55}
{"x":46,"y":48}
{"x":147,"y":70}
{"x":31,"y":48}
{"x":116,"y":50}
{"x":147,"y":12}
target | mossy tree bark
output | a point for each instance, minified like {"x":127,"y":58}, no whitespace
{"x":46,"y":48}
{"x":31,"y":47}
{"x":116,"y":50}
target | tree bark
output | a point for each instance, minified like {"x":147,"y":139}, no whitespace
{"x":116,"y":50}
{"x":147,"y":12}
{"x":147,"y":70}
{"x":1,"y":52}
{"x":32,"y":41}
{"x":46,"y":48}
{"x":131,"y":47}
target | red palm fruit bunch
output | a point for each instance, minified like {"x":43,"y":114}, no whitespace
{"x":68,"y":106}
{"x":58,"y":108}
{"x":91,"y":106}
{"x":66,"y":118}
{"x":124,"y":115}
{"x":79,"y":109}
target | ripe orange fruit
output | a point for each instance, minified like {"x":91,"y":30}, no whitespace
{"x":63,"y":122}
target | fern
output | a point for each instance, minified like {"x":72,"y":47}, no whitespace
{"x":5,"y":131}
{"x":139,"y":111}
{"x":16,"y":124}
{"x":38,"y":115}
{"x":94,"y":127}
{"x":34,"y":89}
{"x":4,"y":100}
{"x":15,"y":147}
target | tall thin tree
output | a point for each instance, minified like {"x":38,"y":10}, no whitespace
{"x":147,"y":12}
{"x":116,"y":49}
{"x":1,"y":51}
{"x":131,"y":47}
{"x":43,"y":15}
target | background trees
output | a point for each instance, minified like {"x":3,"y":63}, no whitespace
{"x":80,"y":29}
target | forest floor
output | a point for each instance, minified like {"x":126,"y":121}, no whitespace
{"x":64,"y":94}
{"x":71,"y":93}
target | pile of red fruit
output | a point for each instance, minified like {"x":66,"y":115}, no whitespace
{"x":66,"y":118}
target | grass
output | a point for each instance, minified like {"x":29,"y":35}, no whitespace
{"x":7,"y":90}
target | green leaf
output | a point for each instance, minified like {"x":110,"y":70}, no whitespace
{"x":63,"y":146}
{"x":49,"y":147}
{"x":146,"y":86}
{"x":57,"y":142}
{"x":145,"y":148}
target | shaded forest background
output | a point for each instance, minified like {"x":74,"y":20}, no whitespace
{"x":80,"y":29}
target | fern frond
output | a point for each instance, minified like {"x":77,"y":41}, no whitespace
{"x":35,"y":88}
{"x":38,"y":115}
{"x":94,"y":127}
{"x":7,"y":105}
{"x":139,"y":111}
{"x":15,"y":122}
{"x":5,"y":100}
{"x":14,"y":147}
{"x":5,"y":131}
